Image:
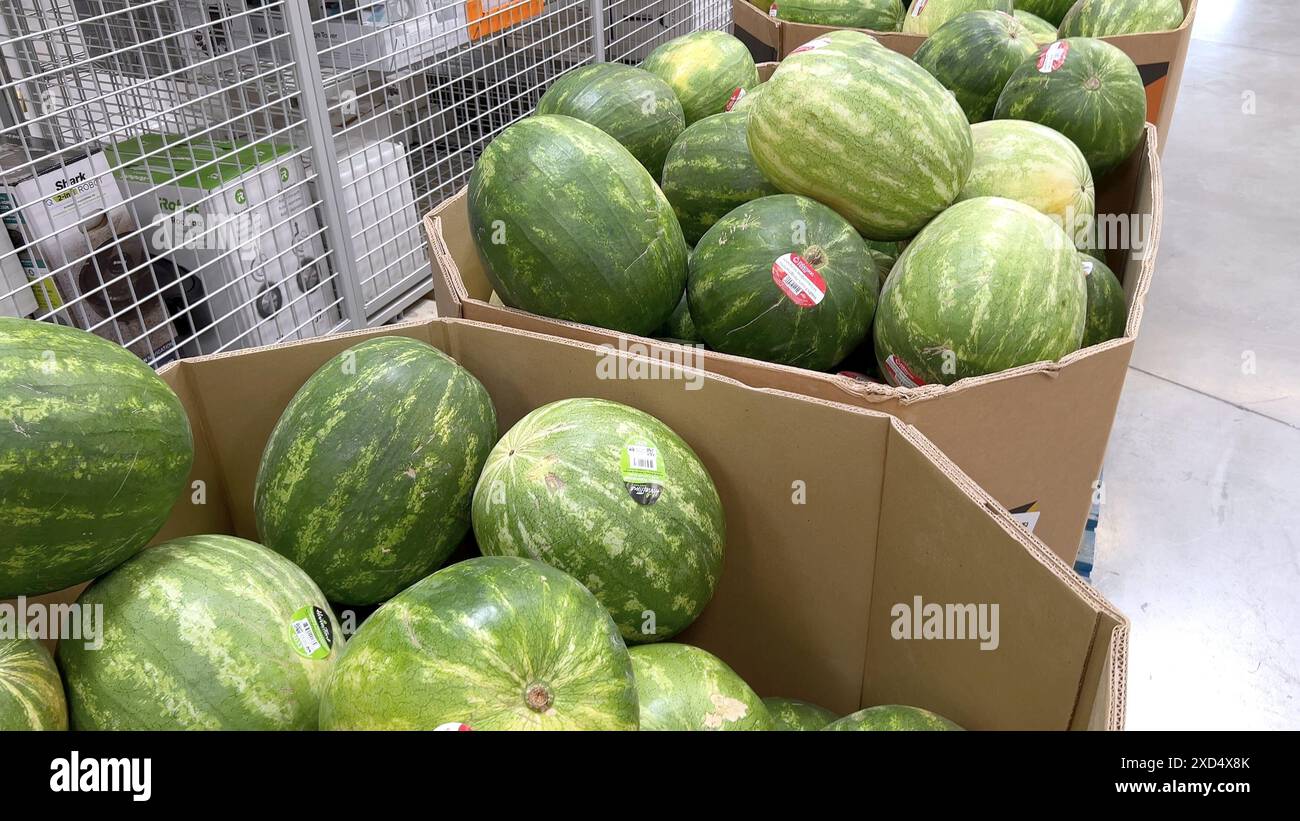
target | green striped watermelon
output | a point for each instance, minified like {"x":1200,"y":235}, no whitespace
{"x":883,"y":264}
{"x":973,"y":55}
{"x":31,"y":692}
{"x":94,"y":450}
{"x":806,"y":134}
{"x":1038,"y":166}
{"x":631,"y":105}
{"x":893,"y":717}
{"x":1107,"y":306}
{"x":989,"y":285}
{"x":1086,"y":89}
{"x":204,"y":632}
{"x":680,"y":327}
{"x":1108,"y":18}
{"x":681,"y":687}
{"x":704,"y":68}
{"x":793,"y":714}
{"x":783,"y":279}
{"x":878,"y":15}
{"x":491,"y":643}
{"x":926,"y":16}
{"x":1041,"y":31}
{"x":613,"y":497}
{"x":1053,"y":11}
{"x":710,"y":171}
{"x":598,"y":244}
{"x":367,"y":478}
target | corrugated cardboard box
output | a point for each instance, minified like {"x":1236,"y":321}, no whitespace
{"x":1032,"y":436}
{"x":812,"y":581}
{"x":1159,"y":56}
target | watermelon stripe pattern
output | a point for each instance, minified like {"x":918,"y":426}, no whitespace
{"x":596,"y":242}
{"x":704,"y":68}
{"x":198,"y":634}
{"x":739,"y":308}
{"x":1041,"y":31}
{"x":926,"y":16}
{"x":684,"y":688}
{"x":94,"y":450}
{"x":31,"y":692}
{"x":710,"y":171}
{"x":792,"y":714}
{"x":1110,"y":18}
{"x":631,"y":105}
{"x":806,"y":135}
{"x":989,"y":285}
{"x":493,"y":643}
{"x":366,"y":480}
{"x":974,"y":55}
{"x":554,"y":489}
{"x":1086,"y":89}
{"x":893,"y":718}
{"x":1050,"y":10}
{"x":1107,"y":305}
{"x":877,"y":15}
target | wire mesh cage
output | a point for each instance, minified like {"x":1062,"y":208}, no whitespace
{"x":191,"y":176}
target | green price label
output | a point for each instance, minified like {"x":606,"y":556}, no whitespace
{"x":311,"y":632}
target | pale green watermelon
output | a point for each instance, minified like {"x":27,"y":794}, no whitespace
{"x":1107,"y":306}
{"x":31,"y":692}
{"x":926,"y":16}
{"x":681,"y":687}
{"x":973,"y":55}
{"x":492,"y":643}
{"x":704,"y":68}
{"x":793,"y":714}
{"x":613,"y":497}
{"x":893,"y":717}
{"x":990,"y":284}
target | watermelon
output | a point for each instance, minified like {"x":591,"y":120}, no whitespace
{"x":704,"y":68}
{"x":745,"y":99}
{"x":893,"y":717}
{"x":681,"y":687}
{"x":31,"y":692}
{"x":1050,"y":10}
{"x":878,"y":15}
{"x":1041,"y":31}
{"x":366,"y":480}
{"x":680,"y":327}
{"x":203,"y":632}
{"x":926,"y":16}
{"x":95,"y":450}
{"x":491,"y":643}
{"x":629,"y":104}
{"x":783,"y":279}
{"x":973,"y":55}
{"x":613,"y":497}
{"x":598,"y":244}
{"x":991,"y":284}
{"x":710,"y":171}
{"x":883,"y":264}
{"x":1108,"y":18}
{"x":1107,"y":306}
{"x":793,"y":714}
{"x":1038,"y":166}
{"x":806,"y":134}
{"x":1086,"y":89}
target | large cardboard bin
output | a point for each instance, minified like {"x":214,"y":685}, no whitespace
{"x":1159,"y":56}
{"x":1033,"y":436}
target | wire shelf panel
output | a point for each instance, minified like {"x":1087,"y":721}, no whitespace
{"x":193,"y":176}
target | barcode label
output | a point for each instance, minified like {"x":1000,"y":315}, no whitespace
{"x":798,"y":280}
{"x":311,"y":632}
{"x":306,"y":637}
{"x":900,"y":374}
{"x":642,"y":457}
{"x":1053,"y":57}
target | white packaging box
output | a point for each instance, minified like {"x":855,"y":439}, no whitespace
{"x":390,"y":47}
{"x":382,"y":219}
{"x":83,"y":251}
{"x":16,"y":298}
{"x":221,"y":212}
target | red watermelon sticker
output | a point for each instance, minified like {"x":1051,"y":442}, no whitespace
{"x":735,"y":98}
{"x":798,"y":280}
{"x":1087,"y":267}
{"x":900,"y":374}
{"x":771,"y":12}
{"x":812,"y":44}
{"x":1053,"y":57}
{"x":453,"y":727}
{"x":918,"y":7}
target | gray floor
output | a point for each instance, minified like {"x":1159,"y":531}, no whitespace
{"x":1199,"y":538}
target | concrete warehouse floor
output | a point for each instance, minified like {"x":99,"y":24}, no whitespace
{"x":1199,"y":536}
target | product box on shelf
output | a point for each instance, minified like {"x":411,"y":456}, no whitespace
{"x":1160,"y":56}
{"x":1033,"y":436}
{"x":80,"y":245}
{"x":236,"y":225}
{"x":16,"y":299}
{"x":830,"y":538}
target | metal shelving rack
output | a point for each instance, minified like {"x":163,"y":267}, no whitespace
{"x":192,"y":176}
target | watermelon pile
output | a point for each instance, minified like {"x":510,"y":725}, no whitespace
{"x":31,"y":692}
{"x":974,"y":55}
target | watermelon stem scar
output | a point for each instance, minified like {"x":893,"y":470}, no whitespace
{"x":538,"y":696}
